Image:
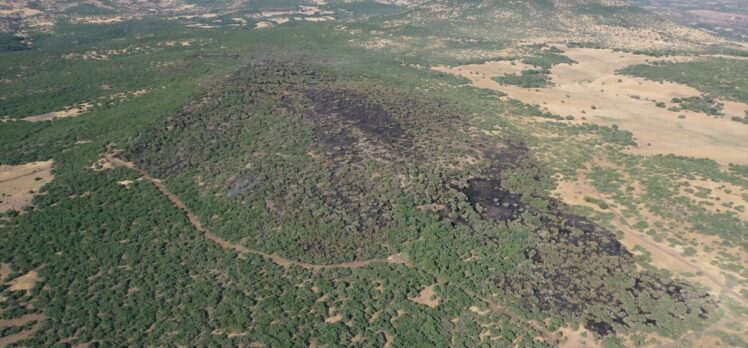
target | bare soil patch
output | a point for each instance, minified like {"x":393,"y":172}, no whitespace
{"x":25,"y":282}
{"x":577,"y":338}
{"x":427,"y":297}
{"x":479,"y":311}
{"x":592,"y":89}
{"x":333,"y":316}
{"x":68,"y":112}
{"x":20,"y":183}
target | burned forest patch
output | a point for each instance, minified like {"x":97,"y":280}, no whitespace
{"x":313,"y":165}
{"x":316,"y":156}
{"x":575,"y":267}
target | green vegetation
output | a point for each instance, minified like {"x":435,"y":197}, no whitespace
{"x":11,"y":43}
{"x":595,"y":201}
{"x":295,"y":142}
{"x":526,"y":79}
{"x":707,"y":105}
{"x":714,"y":76}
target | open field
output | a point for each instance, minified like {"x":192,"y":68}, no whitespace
{"x":19,"y":183}
{"x":591,"y":90}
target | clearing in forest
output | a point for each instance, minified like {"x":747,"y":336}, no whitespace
{"x":427,"y":297}
{"x":19,"y":183}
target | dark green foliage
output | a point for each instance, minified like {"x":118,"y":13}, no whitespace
{"x":707,"y":105}
{"x":595,"y":201}
{"x":716,"y":76}
{"x":743,"y":119}
{"x":548,"y":58}
{"x":526,"y":79}
{"x":12,"y":43}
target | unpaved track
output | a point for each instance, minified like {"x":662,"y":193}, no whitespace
{"x":279,"y":260}
{"x":284,"y":262}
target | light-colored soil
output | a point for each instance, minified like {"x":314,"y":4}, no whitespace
{"x":69,"y":112}
{"x":20,"y":183}
{"x":22,"y":12}
{"x":25,"y":282}
{"x":427,"y":297}
{"x":487,"y":69}
{"x":593,"y":81}
{"x":573,"y":194}
{"x":334,"y":319}
{"x":479,"y":311}
{"x":732,"y":108}
{"x":129,"y":183}
{"x":576,"y":339}
{"x":389,"y":340}
{"x":262,"y":25}
{"x":333,"y":316}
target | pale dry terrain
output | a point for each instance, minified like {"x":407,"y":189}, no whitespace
{"x":68,"y":112}
{"x":25,"y":282}
{"x":427,"y":297}
{"x":19,"y":183}
{"x":591,"y":91}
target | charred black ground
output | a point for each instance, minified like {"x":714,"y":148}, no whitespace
{"x":321,"y":165}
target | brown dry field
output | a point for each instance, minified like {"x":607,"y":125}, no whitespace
{"x":19,"y":183}
{"x":593,"y":82}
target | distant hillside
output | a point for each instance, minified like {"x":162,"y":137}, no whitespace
{"x":724,"y":17}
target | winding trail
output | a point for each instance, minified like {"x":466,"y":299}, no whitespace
{"x":241,"y":249}
{"x":284,"y":262}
